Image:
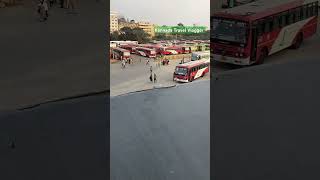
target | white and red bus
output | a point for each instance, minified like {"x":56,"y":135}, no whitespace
{"x":192,"y":70}
{"x":146,"y":52}
{"x":247,"y":34}
{"x":129,"y":47}
{"x":166,"y":51}
{"x":118,"y":53}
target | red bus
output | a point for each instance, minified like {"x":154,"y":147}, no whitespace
{"x":190,"y":71}
{"x":146,"y":52}
{"x":129,"y":47}
{"x":117,"y":53}
{"x":247,"y":34}
{"x":178,"y":49}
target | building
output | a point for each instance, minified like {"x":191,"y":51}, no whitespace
{"x":114,"y":26}
{"x":128,"y":24}
{"x":147,"y":27}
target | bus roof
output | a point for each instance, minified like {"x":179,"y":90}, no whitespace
{"x":120,"y":49}
{"x":144,"y":48}
{"x":194,"y":63}
{"x":260,"y":8}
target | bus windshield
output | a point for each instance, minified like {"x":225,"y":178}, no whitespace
{"x":181,"y":70}
{"x":229,"y":30}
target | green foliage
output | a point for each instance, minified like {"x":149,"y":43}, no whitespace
{"x":114,"y":36}
{"x":128,"y":34}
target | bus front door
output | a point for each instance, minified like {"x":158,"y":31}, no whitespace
{"x":254,"y":42}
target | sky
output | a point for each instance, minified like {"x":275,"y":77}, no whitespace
{"x":165,"y":12}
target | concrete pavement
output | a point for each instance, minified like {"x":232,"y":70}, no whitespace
{"x":59,"y":58}
{"x":135,"y":77}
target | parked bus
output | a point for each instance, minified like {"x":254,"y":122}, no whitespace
{"x":124,"y":42}
{"x":186,"y":49}
{"x":247,"y":34}
{"x":146,"y":52}
{"x":129,"y":47}
{"x":117,"y":53}
{"x":192,"y":70}
{"x":195,"y":56}
{"x":167,"y":51}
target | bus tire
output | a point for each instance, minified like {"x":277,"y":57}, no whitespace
{"x":262,"y":57}
{"x":298,"y":41}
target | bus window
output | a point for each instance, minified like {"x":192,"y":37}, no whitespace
{"x":304,"y":12}
{"x":276,"y":22}
{"x":298,"y":15}
{"x":283,"y":20}
{"x":290,"y":17}
{"x":261,"y":27}
{"x":181,"y":71}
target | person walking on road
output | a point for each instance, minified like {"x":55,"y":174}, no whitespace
{"x":150,"y":77}
{"x":148,"y":61}
{"x":45,"y":8}
{"x":154,"y":78}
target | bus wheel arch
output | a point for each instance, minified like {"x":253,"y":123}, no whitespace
{"x":298,"y":41}
{"x":263,"y":54}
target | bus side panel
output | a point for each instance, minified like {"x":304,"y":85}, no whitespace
{"x":310,"y":28}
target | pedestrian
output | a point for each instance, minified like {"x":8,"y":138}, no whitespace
{"x":147,"y":62}
{"x":51,"y":3}
{"x":45,"y":8}
{"x":150,"y":77}
{"x":150,"y":69}
{"x":40,"y":10}
{"x":155,"y":77}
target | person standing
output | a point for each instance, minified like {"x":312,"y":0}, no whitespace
{"x":45,"y":8}
{"x":154,"y":78}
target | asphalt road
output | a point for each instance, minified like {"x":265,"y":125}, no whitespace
{"x":161,"y":134}
{"x":62,"y":140}
{"x":59,"y":58}
{"x":266,"y":122}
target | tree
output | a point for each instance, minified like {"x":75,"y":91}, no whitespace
{"x":141,"y":35}
{"x":126,"y":33}
{"x":180,"y":24}
{"x":135,"y":34}
{"x":114,"y":36}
